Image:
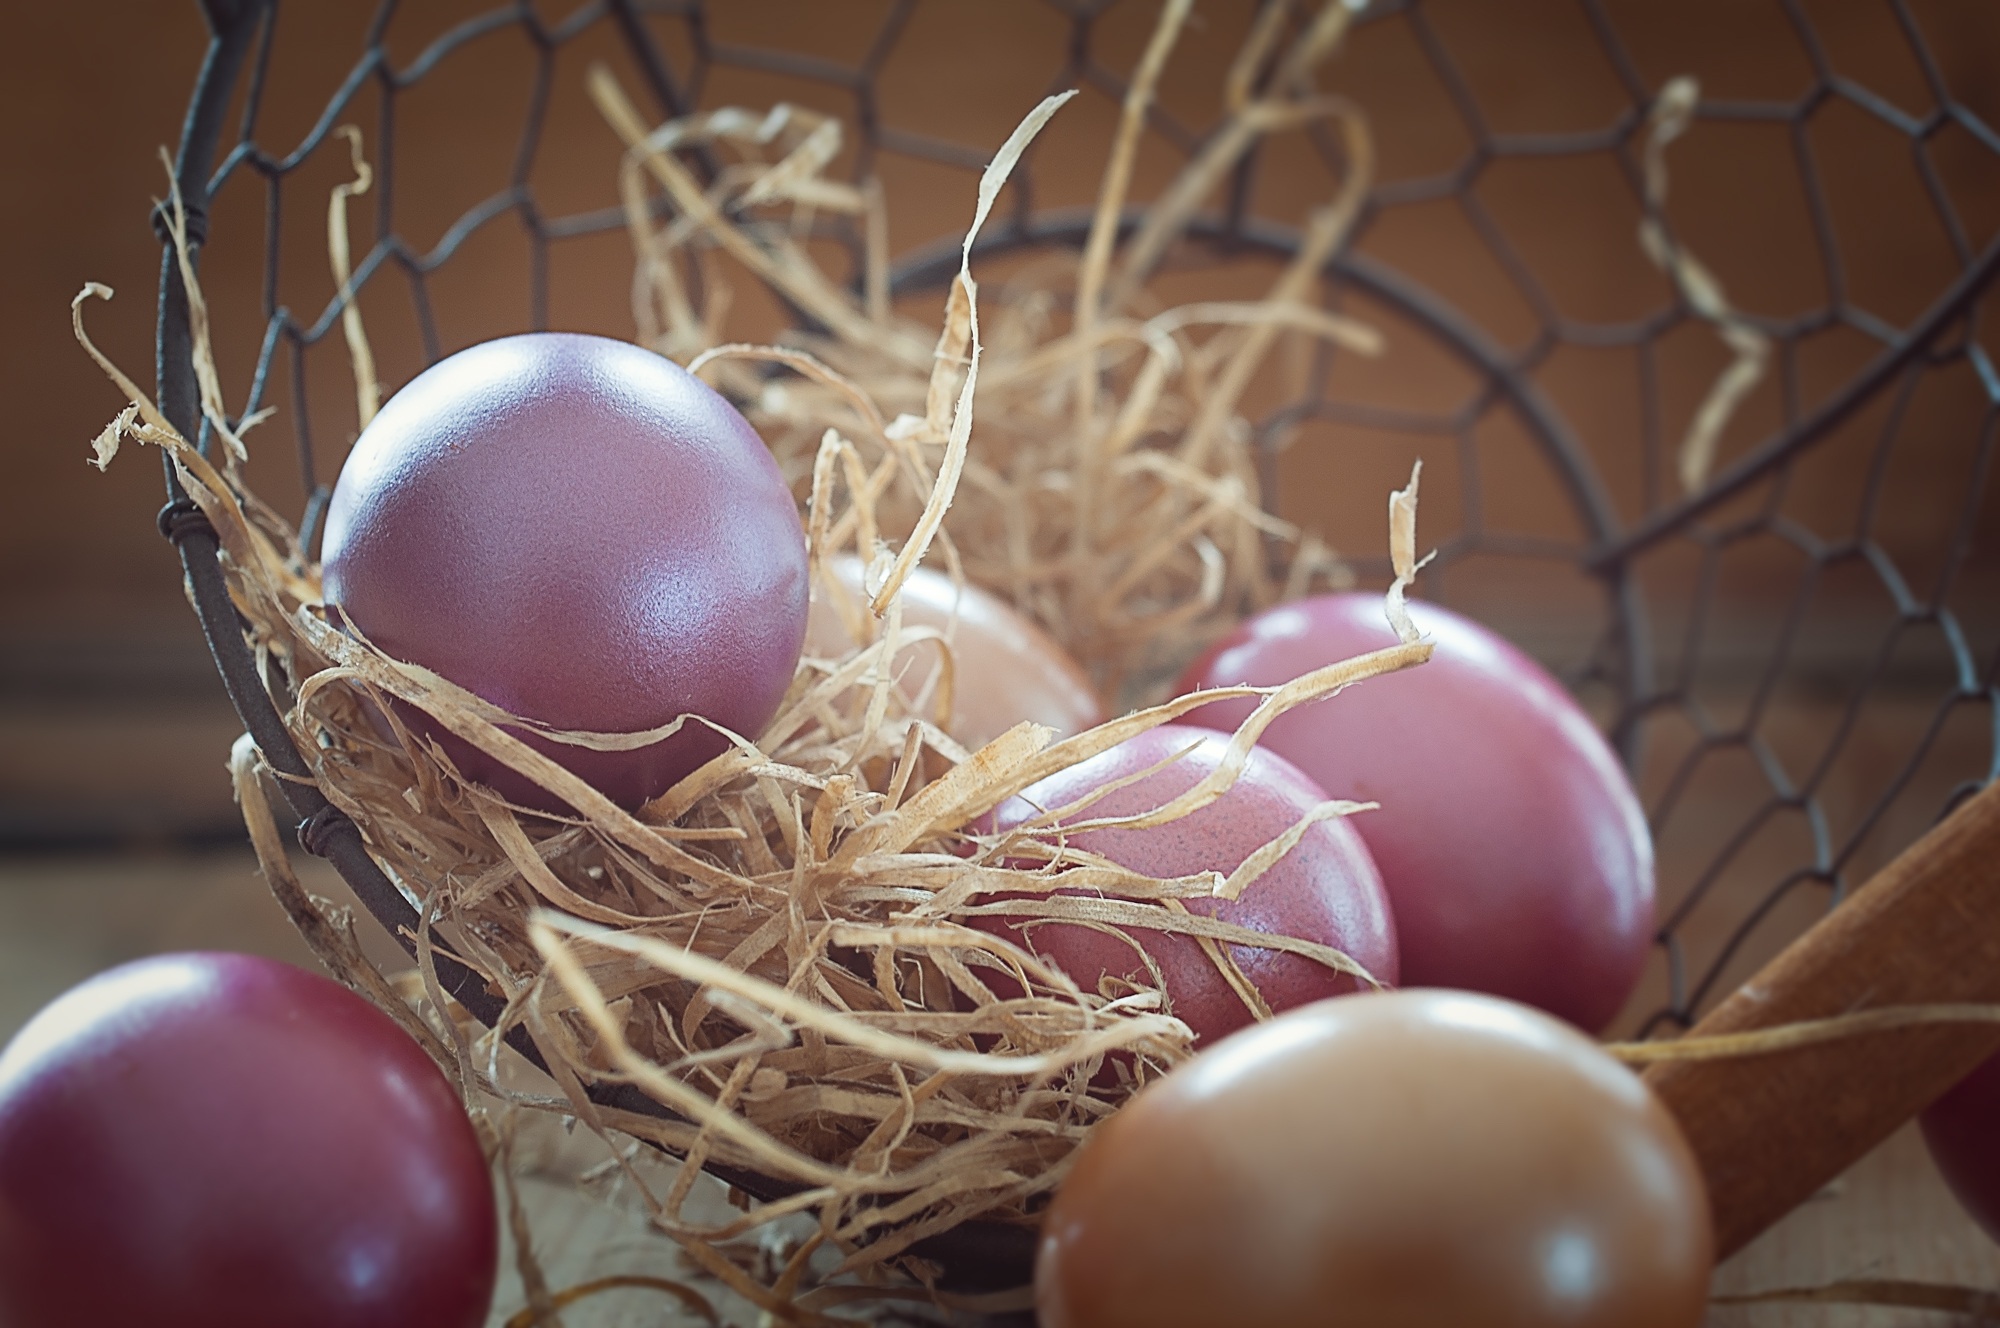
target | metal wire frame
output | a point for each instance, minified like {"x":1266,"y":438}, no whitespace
{"x":1649,"y":680}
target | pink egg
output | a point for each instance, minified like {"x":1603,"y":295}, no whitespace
{"x":1962,"y":1130}
{"x":1513,"y":849}
{"x":586,"y":535}
{"x":1005,"y":668}
{"x":1324,"y":890}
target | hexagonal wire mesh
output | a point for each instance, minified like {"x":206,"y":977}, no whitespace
{"x":1797,"y":654}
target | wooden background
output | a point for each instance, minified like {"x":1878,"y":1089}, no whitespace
{"x":88,"y":593}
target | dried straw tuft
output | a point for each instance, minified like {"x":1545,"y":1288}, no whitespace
{"x":781,"y":950}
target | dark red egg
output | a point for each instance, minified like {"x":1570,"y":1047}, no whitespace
{"x":584,"y":534}
{"x":223,"y":1141}
{"x":1324,"y":890}
{"x":1515,"y":854}
{"x":1962,"y":1130}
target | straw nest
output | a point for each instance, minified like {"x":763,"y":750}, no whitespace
{"x":780,"y":950}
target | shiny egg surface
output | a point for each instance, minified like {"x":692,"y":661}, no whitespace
{"x":1515,"y":853}
{"x":224,"y":1141}
{"x":584,"y":534}
{"x":1412,"y":1159}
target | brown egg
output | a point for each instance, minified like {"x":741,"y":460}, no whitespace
{"x":1007,"y":669}
{"x":1391,"y":1160}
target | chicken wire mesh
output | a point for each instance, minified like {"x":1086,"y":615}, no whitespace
{"x":1793,"y":640}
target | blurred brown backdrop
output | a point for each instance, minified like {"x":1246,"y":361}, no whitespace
{"x":87,"y":590}
{"x":112,"y":728}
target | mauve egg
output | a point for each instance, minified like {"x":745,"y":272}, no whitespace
{"x":584,"y":534}
{"x":1962,"y":1130}
{"x":1005,"y":667}
{"x":1391,"y":1160}
{"x":225,"y":1141}
{"x":1324,"y":890}
{"x":1514,"y":851}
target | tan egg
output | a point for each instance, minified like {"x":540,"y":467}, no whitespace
{"x":1411,"y":1159}
{"x":1007,"y":669}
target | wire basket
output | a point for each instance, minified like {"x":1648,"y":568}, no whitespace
{"x":1708,"y":430}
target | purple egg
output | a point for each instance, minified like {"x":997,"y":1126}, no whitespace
{"x":224,"y":1141}
{"x":1962,"y":1130}
{"x":1324,"y":890}
{"x":1515,"y":854}
{"x":584,"y":534}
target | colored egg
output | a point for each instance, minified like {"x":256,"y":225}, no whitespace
{"x":586,"y":535}
{"x":1398,"y":1158}
{"x":222,"y":1141}
{"x":1005,"y":668}
{"x":1515,"y":854}
{"x":1324,"y":890}
{"x":1962,"y":1130}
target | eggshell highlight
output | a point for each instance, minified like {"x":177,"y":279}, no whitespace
{"x":1397,"y":1160}
{"x":584,"y":534}
{"x":1514,"y":851}
{"x":224,"y":1141}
